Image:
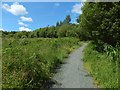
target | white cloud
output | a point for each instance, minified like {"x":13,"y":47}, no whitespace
{"x":77,"y":8}
{"x":24,"y":29}
{"x":84,"y":0}
{"x":15,"y":9}
{"x":1,"y":29}
{"x":22,"y":24}
{"x":26,"y":19}
{"x":75,"y":22}
{"x":57,"y":4}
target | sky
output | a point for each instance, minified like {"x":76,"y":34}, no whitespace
{"x":28,"y":16}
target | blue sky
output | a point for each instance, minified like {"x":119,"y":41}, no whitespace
{"x":27,"y":16}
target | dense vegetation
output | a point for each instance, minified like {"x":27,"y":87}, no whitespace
{"x":101,"y":68}
{"x":28,"y":63}
{"x":101,"y":22}
{"x":98,"y":23}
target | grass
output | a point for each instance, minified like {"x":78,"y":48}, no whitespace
{"x":28,"y":63}
{"x":101,"y":68}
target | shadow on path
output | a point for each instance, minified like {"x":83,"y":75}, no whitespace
{"x":72,"y":74}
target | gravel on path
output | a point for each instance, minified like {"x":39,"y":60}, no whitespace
{"x":72,"y":74}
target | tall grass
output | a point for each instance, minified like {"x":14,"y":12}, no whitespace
{"x":101,"y":67}
{"x":28,"y":63}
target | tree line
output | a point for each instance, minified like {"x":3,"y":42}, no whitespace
{"x":61,"y":29}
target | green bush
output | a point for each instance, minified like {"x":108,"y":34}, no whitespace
{"x":99,"y":65}
{"x":28,"y":63}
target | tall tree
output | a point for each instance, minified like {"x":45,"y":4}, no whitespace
{"x":57,"y":24}
{"x":101,"y":22}
{"x":67,"y":19}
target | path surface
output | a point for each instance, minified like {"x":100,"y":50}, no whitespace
{"x":72,"y":74}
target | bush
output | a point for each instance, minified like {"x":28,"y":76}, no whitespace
{"x":28,"y":63}
{"x":99,"y":65}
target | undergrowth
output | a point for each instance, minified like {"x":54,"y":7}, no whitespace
{"x":28,"y":63}
{"x":102,"y":67}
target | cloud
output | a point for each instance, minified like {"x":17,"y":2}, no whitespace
{"x":15,"y":9}
{"x":24,"y":29}
{"x":1,"y":29}
{"x":26,"y":19}
{"x":75,"y":22}
{"x":57,"y":4}
{"x":77,"y":8}
{"x":84,"y":0}
{"x":22,"y":24}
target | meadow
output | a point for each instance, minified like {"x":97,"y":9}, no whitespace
{"x":29,"y":62}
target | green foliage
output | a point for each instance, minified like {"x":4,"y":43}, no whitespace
{"x":29,"y":62}
{"x":57,"y":24}
{"x":100,"y":22}
{"x":67,"y":19}
{"x":51,"y":32}
{"x":63,"y":30}
{"x":113,"y":51}
{"x":104,"y":72}
{"x":67,"y":30}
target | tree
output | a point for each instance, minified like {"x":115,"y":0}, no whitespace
{"x":67,"y":19}
{"x":57,"y":24}
{"x":101,"y":22}
{"x":61,"y":23}
{"x":51,"y":32}
{"x":64,"y":30}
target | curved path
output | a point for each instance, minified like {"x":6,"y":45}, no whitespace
{"x":72,"y":74}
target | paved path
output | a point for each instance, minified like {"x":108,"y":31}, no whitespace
{"x":72,"y":74}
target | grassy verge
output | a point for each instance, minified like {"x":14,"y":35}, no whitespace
{"x":100,"y":67}
{"x":28,"y":63}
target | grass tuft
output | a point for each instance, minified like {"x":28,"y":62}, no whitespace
{"x":101,"y":68}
